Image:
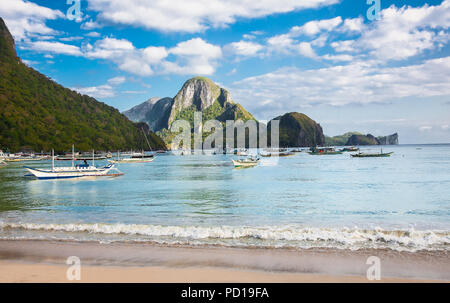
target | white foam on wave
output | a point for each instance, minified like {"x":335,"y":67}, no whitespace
{"x":277,"y":236}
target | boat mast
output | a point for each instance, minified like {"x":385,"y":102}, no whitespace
{"x":93,"y":158}
{"x":53,"y":159}
{"x":73,"y":156}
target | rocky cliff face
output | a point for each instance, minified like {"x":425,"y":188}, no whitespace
{"x":388,"y":140}
{"x":155,"y":112}
{"x":371,"y":140}
{"x":196,"y":94}
{"x":298,"y":130}
{"x":7,"y":44}
{"x":199,"y":93}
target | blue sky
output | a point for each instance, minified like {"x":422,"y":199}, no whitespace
{"x":324,"y":58}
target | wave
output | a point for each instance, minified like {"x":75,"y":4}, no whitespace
{"x":273,"y":236}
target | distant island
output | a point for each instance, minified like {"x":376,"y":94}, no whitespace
{"x":356,"y":138}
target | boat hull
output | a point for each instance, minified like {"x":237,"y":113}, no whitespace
{"x":131,"y":160}
{"x":69,"y":174}
{"x":372,"y":155}
{"x":244,"y":164}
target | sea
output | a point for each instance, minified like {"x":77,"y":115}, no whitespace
{"x":298,"y":202}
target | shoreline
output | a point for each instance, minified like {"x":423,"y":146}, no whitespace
{"x":45,"y":261}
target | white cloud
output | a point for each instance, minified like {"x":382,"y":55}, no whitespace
{"x":24,"y":18}
{"x":68,"y":39}
{"x":405,"y":32}
{"x":93,"y":34}
{"x":341,"y":58}
{"x":305,"y":49}
{"x":195,"y":15}
{"x":425,"y":128}
{"x":344,"y":46}
{"x":314,"y":27}
{"x":100,"y":92}
{"x":107,"y":90}
{"x":117,"y":80}
{"x":90,"y":25}
{"x":357,"y":82}
{"x":353,"y":25}
{"x":244,"y":48}
{"x":194,"y":56}
{"x":54,"y":47}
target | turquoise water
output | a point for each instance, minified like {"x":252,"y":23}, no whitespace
{"x":401,"y":202}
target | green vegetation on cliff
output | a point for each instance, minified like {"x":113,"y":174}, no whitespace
{"x":39,"y":114}
{"x":298,"y":130}
{"x":339,"y":140}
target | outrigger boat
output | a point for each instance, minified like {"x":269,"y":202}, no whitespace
{"x":373,"y":155}
{"x":249,"y":162}
{"x":350,"y":149}
{"x":135,"y":158}
{"x":74,"y":171}
{"x":324,"y":151}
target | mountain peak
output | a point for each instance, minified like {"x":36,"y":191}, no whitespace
{"x":199,"y":93}
{"x":7,"y":45}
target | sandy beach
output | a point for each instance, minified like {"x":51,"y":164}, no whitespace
{"x":45,"y":261}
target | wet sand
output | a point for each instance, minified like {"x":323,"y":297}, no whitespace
{"x":45,"y":261}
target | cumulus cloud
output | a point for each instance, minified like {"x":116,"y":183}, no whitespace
{"x":53,"y":47}
{"x":244,"y":48}
{"x":194,"y":56}
{"x":425,"y":128}
{"x":192,"y":16}
{"x":100,"y":92}
{"x":25,"y":18}
{"x":314,"y":27}
{"x":357,"y":82}
{"x":405,"y":32}
{"x":107,"y":90}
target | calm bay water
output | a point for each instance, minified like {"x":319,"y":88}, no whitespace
{"x":401,"y":202}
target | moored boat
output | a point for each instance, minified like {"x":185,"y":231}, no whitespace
{"x":372,"y":155}
{"x":74,"y":171}
{"x":350,"y":149}
{"x":324,"y":151}
{"x":134,"y":158}
{"x":249,"y":162}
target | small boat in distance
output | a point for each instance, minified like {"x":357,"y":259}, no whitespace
{"x":372,"y":155}
{"x":324,"y":151}
{"x":350,"y":149}
{"x":74,"y":171}
{"x":249,"y":162}
{"x":134,"y":158}
{"x":286,"y":154}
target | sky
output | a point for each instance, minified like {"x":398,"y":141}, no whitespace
{"x":347,"y":64}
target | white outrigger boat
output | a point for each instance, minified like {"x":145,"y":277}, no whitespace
{"x":249,"y":162}
{"x":74,"y":171}
{"x":135,"y":158}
